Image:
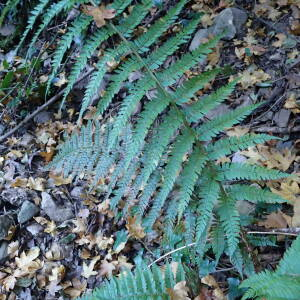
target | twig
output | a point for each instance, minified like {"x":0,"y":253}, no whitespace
{"x":283,"y":130}
{"x":41,"y":108}
{"x":292,"y":231}
{"x":171,"y":252}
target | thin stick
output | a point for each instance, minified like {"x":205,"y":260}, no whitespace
{"x":41,"y":108}
{"x":273,"y":232}
{"x":171,"y":252}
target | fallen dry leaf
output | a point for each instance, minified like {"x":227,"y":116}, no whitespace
{"x":276,"y":220}
{"x":99,"y":13}
{"x":88,"y":270}
{"x":106,"y":268}
{"x":179,"y":291}
{"x":135,"y":229}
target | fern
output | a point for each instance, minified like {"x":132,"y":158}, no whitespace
{"x":143,"y":283}
{"x":282,"y":284}
{"x":162,"y":160}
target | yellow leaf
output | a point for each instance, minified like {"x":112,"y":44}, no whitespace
{"x":291,"y":103}
{"x":59,"y":179}
{"x":26,"y":259}
{"x":99,"y":13}
{"x":179,"y":291}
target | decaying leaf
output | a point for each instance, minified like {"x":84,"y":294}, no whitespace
{"x":99,"y":13}
{"x":135,"y":229}
{"x":106,"y":268}
{"x":179,"y":291}
{"x":88,"y":270}
{"x":276,"y":220}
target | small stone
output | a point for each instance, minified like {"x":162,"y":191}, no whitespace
{"x":42,"y":117}
{"x":26,"y":140}
{"x":281,"y":118}
{"x":3,"y":249}
{"x":5,"y":223}
{"x":219,"y":111}
{"x":200,"y":36}
{"x":28,"y":210}
{"x":230,"y":19}
{"x":55,"y":212}
{"x":34,"y":229}
{"x":238,"y":158}
{"x":77,"y":192}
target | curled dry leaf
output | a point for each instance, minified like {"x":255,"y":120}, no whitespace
{"x":88,"y":270}
{"x":99,"y":13}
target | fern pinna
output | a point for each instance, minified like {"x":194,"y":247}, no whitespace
{"x":162,"y":160}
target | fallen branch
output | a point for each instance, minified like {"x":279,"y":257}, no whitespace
{"x":41,"y":108}
{"x":292,"y":231}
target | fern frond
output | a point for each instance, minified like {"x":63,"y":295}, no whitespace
{"x":234,"y":171}
{"x":146,"y":83}
{"x":209,"y":191}
{"x":218,"y":240}
{"x":143,"y":283}
{"x":50,"y":13}
{"x":253,"y":194}
{"x":198,"y":109}
{"x":231,"y":144}
{"x":191,"y":171}
{"x":99,"y":36}
{"x":9,"y":6}
{"x":37,"y":10}
{"x":127,"y":27}
{"x":79,"y":25}
{"x":230,"y":221}
{"x":182,"y":145}
{"x":213,"y":127}
{"x":272,"y":286}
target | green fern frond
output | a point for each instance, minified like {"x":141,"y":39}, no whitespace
{"x":198,"y":109}
{"x":238,"y":171}
{"x":143,"y":283}
{"x":213,"y":127}
{"x":230,"y":220}
{"x":231,"y":144}
{"x":9,"y":6}
{"x":38,"y":9}
{"x":253,"y":194}
{"x":218,"y":240}
{"x":190,"y":173}
{"x":50,"y":13}
{"x":182,"y":146}
{"x":79,"y":25}
{"x":209,"y":191}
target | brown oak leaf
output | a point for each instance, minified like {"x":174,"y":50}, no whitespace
{"x":99,"y":13}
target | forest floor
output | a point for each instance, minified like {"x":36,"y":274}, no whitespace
{"x":58,"y":241}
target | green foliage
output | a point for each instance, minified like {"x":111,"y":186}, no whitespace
{"x":165,"y":158}
{"x":283,"y":284}
{"x":159,"y":150}
{"x":143,"y":283}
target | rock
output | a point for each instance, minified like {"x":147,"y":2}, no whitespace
{"x":34,"y":229}
{"x":5,"y":223}
{"x":3,"y":249}
{"x":77,"y":192}
{"x":230,"y":19}
{"x":55,"y":212}
{"x":281,"y":118}
{"x":26,"y":140}
{"x":28,"y":210}
{"x":16,"y":196}
{"x":198,"y":38}
{"x":7,"y":30}
{"x":220,"y":110}
{"x":238,"y":158}
{"x":42,"y":117}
